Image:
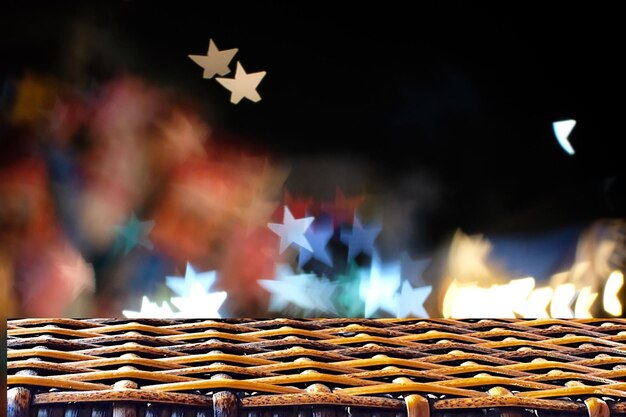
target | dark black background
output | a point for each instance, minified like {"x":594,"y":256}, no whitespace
{"x":466,"y":93}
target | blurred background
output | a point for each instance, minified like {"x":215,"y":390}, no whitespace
{"x":120,"y":166}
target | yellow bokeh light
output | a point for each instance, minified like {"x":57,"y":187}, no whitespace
{"x":610,"y":301}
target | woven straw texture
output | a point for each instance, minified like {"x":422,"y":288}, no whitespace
{"x":318,"y":368}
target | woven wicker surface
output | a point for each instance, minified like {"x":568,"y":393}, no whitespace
{"x":423,"y":367}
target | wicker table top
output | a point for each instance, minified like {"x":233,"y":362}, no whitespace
{"x":332,"y":367}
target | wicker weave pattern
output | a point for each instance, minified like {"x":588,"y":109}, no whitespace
{"x":390,"y":365}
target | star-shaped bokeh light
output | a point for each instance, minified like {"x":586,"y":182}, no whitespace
{"x":135,"y":233}
{"x":193,"y":280}
{"x":199,"y":303}
{"x":292,"y":231}
{"x":150,"y":310}
{"x":410,"y":301}
{"x":306,"y":291}
{"x":348,"y":300}
{"x":318,"y":236}
{"x":360,"y":239}
{"x":215,"y":61}
{"x":244,"y":85}
{"x":299,"y":206}
{"x":378,"y":287}
{"x":412,"y":271}
{"x":343,"y":209}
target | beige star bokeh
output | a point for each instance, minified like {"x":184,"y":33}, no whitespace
{"x":243,"y":85}
{"x":215,"y":61}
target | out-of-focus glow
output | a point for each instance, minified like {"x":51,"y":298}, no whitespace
{"x":185,"y":136}
{"x":536,"y":305}
{"x":498,"y":301}
{"x":135,"y":233}
{"x":193,"y":298}
{"x":126,"y":146}
{"x":410,"y":301}
{"x":192,"y":281}
{"x":7,"y":300}
{"x":519,"y":298}
{"x":561,"y":301}
{"x":199,"y":304}
{"x":305,"y":291}
{"x":150,"y":310}
{"x":584,"y":302}
{"x":467,"y":259}
{"x":360,"y":239}
{"x":449,"y":299}
{"x":292,"y":231}
{"x":318,"y":236}
{"x":610,"y":301}
{"x":343,"y":208}
{"x":77,"y":272}
{"x":378,"y":287}
{"x":562,"y":129}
